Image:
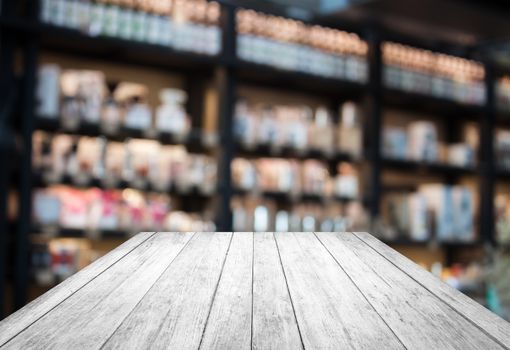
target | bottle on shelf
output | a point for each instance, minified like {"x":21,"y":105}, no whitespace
{"x":171,"y":115}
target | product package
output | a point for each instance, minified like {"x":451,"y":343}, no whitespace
{"x":322,"y":135}
{"x":440,"y":201}
{"x":346,"y":181}
{"x":463,"y":214}
{"x":350,"y":134}
{"x":47,"y":93}
{"x":171,"y":115}
{"x":137,"y":113}
{"x":395,"y":143}
{"x":419,"y":228}
{"x":461,"y":154}
{"x":82,"y":92}
{"x":423,"y":141}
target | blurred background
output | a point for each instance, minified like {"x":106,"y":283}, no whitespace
{"x":386,"y":116}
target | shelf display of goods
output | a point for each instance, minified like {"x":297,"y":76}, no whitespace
{"x":295,"y":178}
{"x":186,"y":25}
{"x":121,"y":144}
{"x":143,"y":164}
{"x":293,"y":45}
{"x":255,"y":214}
{"x":94,"y":210}
{"x":422,"y":71}
{"x":299,"y":128}
{"x":77,"y":98}
{"x":419,"y":142}
{"x":54,"y":260}
{"x":435,"y":212}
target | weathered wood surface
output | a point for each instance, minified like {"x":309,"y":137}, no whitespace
{"x":254,"y":291}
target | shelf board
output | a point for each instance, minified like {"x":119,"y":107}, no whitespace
{"x":503,"y":173}
{"x":193,"y":141}
{"x":431,"y":243}
{"x":436,"y":106}
{"x":267,"y":151}
{"x":502,"y":118}
{"x":272,"y":77}
{"x":73,"y":41}
{"x":193,"y":192}
{"x":425,"y":167}
{"x":60,"y":232}
{"x":292,"y":198}
{"x":399,"y":188}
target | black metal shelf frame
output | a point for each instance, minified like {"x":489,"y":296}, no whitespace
{"x":287,"y":197}
{"x":227,"y":71}
{"x":193,"y":192}
{"x":194,"y":140}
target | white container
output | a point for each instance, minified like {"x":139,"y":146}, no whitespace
{"x":48,"y":91}
{"x":171,"y":114}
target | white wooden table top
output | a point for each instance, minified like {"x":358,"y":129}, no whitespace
{"x":258,"y":291}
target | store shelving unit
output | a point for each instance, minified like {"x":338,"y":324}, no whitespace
{"x":120,"y":50}
{"x":431,"y":243}
{"x":227,"y":71}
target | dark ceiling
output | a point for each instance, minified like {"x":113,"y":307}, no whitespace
{"x":464,"y":22}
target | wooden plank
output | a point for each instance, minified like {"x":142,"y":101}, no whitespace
{"x":229,"y":323}
{"x":88,"y":318}
{"x":274,"y":323}
{"x":471,"y":310}
{"x":17,"y":322}
{"x":330,"y":311}
{"x":416,"y":316}
{"x":174,"y":312}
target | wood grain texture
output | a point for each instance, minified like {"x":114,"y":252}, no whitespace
{"x":498,"y":328}
{"x":418,"y":318}
{"x":330,"y":311}
{"x":254,"y":291}
{"x":274,"y":323}
{"x":229,"y":323}
{"x":174,"y":312}
{"x":86,"y":319}
{"x":17,"y":322}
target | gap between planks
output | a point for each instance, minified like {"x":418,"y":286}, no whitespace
{"x":470,"y":310}
{"x":16,"y":323}
{"x":399,"y":262}
{"x":138,"y":303}
{"x":359,"y":289}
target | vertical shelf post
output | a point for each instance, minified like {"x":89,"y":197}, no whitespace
{"x":7,"y":146}
{"x":373,"y":123}
{"x":487,"y":159}
{"x":195,"y":88}
{"x":30,"y":55}
{"x":226,"y":85}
